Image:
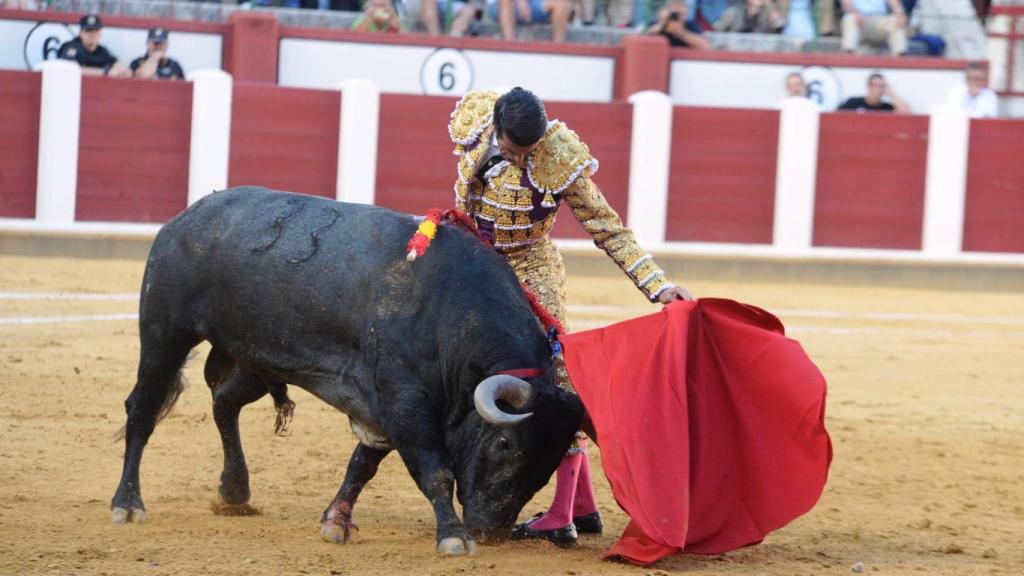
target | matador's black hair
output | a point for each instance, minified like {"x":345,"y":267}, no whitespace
{"x":519,"y":115}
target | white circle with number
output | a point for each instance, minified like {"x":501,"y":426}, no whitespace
{"x":446,"y":72}
{"x":823,"y":86}
{"x":43,"y":42}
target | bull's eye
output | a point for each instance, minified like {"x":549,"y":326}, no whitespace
{"x":503,"y":443}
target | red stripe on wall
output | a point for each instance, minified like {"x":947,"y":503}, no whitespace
{"x":284,"y":138}
{"x":607,"y":130}
{"x":870,"y":183}
{"x":19,"y":142}
{"x":722,"y":175}
{"x":415,"y":165}
{"x":994,"y":211}
{"x":133,"y":149}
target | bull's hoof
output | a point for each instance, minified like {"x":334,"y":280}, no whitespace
{"x":334,"y":534}
{"x":120,"y":515}
{"x":455,"y":546}
{"x":220,"y":507}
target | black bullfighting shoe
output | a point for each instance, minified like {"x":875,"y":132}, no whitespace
{"x":564,"y":536}
{"x":589,"y":523}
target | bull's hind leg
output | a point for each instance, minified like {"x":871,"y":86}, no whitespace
{"x":157,"y":388}
{"x":232,"y":389}
{"x":336,"y":524}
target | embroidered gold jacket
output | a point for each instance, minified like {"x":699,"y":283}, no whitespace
{"x":517,"y":208}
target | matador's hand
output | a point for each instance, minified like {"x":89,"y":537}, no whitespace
{"x":674,"y":293}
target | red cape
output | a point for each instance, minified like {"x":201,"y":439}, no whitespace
{"x":711,"y":424}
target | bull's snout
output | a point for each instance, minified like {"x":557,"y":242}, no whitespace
{"x":491,"y":536}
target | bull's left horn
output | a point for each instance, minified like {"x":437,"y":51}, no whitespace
{"x":502,"y":387}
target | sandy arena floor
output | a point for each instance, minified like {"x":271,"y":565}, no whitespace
{"x":926,"y":412}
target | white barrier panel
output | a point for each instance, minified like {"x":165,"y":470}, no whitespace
{"x":211,"y":133}
{"x":649,"y":160}
{"x":945,"y":188}
{"x":59,"y":119}
{"x":304,"y":63}
{"x":25,"y":44}
{"x":718,"y":84}
{"x":795,"y":174}
{"x":357,"y":141}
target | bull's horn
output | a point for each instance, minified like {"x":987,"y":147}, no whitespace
{"x":502,"y":387}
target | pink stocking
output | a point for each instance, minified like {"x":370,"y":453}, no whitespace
{"x":559,"y":514}
{"x":584,"y":503}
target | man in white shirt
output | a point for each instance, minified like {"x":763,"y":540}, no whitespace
{"x":974,"y":96}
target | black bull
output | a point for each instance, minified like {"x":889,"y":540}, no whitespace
{"x":293,"y":289}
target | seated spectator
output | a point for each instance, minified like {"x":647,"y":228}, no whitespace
{"x":378,"y":16}
{"x":974,"y":96}
{"x":870,"y":21}
{"x":509,"y":12}
{"x":155,"y":63}
{"x":20,"y":4}
{"x":454,"y":15}
{"x":672,"y":23}
{"x":876,"y":98}
{"x":92,"y":56}
{"x":795,"y":85}
{"x":705,"y":13}
{"x":761,"y":16}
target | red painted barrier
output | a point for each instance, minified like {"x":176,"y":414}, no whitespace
{"x":284,"y":138}
{"x":415,"y":165}
{"x":722,"y":175}
{"x":994,"y":211}
{"x":870,"y":183}
{"x":607,"y":131}
{"x":19,"y":142}
{"x":133,"y":149}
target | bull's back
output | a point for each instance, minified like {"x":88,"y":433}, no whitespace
{"x":251,"y":263}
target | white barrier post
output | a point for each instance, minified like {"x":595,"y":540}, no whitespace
{"x":357,"y":140}
{"x":795,"y":174}
{"x":211,"y":133}
{"x":60,"y":106}
{"x":945,"y":181}
{"x":649,"y":156}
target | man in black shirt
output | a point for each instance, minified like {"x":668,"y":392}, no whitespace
{"x":155,"y":63}
{"x":873,"y":101}
{"x":673,"y":24}
{"x":86,"y":49}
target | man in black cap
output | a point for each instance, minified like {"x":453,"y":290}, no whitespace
{"x":155,"y":63}
{"x":86,"y":49}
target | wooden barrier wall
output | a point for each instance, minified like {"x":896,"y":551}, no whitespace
{"x":133,"y":150}
{"x":19,"y":143}
{"x":994,"y":213}
{"x":722,"y":175}
{"x":870,"y":183}
{"x":284,"y":138}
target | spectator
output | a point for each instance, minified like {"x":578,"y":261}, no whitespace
{"x":795,"y":85}
{"x":378,"y":16}
{"x":155,"y":63}
{"x":456,"y":15}
{"x":870,"y":20}
{"x":672,"y":23}
{"x":92,"y":56}
{"x":974,"y":96}
{"x":875,"y":99}
{"x":705,"y":13}
{"x":509,"y":12}
{"x":762,"y":16}
{"x":619,"y":12}
{"x":20,"y":4}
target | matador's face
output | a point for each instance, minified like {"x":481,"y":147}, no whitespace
{"x":513,"y":152}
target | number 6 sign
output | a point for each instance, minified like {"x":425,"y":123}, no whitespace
{"x":446,"y":71}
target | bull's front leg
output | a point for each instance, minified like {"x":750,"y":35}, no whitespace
{"x":436,"y":480}
{"x":336,"y":524}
